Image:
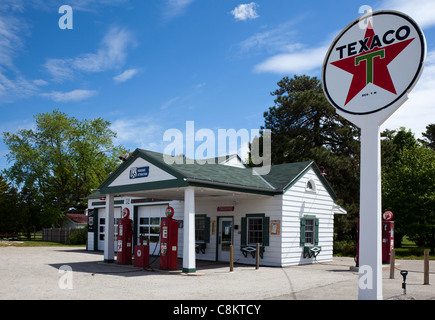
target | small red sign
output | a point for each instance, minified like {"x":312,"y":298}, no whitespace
{"x":125,"y":213}
{"x":225,"y":208}
{"x":387,"y":215}
{"x":169,"y":212}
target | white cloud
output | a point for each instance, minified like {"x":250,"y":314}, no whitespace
{"x":169,"y":103}
{"x":150,"y":137}
{"x":418,"y":111}
{"x":422,"y":11}
{"x":70,"y":96}
{"x":303,"y":61}
{"x":272,"y":40}
{"x":175,"y":8}
{"x":111,"y":54}
{"x":245,"y":11}
{"x":126,"y":75}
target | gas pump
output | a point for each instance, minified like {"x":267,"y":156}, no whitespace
{"x":142,"y":254}
{"x":125,"y":238}
{"x":168,"y":241}
{"x":387,"y":237}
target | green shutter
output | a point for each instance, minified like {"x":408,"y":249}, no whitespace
{"x":302,"y":237}
{"x":243,"y":235}
{"x":207,"y":230}
{"x":96,"y":228}
{"x":135,"y":224}
{"x":266,"y":227}
{"x":316,"y":232}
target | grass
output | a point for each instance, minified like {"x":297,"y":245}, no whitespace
{"x":410,"y":250}
{"x":31,"y":243}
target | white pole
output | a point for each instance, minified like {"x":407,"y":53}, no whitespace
{"x":370,"y":249}
{"x":109,"y":232}
{"x":189,"y":264}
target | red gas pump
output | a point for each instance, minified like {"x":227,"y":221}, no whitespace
{"x":125,"y":238}
{"x":168,"y":241}
{"x":387,"y":237}
{"x":141,"y":254}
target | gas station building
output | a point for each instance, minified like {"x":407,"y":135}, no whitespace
{"x":289,"y":212}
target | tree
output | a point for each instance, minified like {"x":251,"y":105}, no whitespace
{"x":59,"y":162}
{"x":304,"y":126}
{"x":429,"y":136}
{"x":8,"y":206}
{"x":409,"y":192}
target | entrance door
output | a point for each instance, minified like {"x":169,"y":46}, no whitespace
{"x":225,"y":238}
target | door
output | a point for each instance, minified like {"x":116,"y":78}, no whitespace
{"x":225,"y":238}
{"x":102,"y":220}
{"x":148,"y":225}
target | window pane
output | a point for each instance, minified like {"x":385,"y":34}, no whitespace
{"x":155,"y":230}
{"x":144,"y":221}
{"x":154,"y":239}
{"x":155,"y":221}
{"x":199,"y":228}
{"x":144,"y":230}
{"x":255,"y":230}
{"x":309,"y":231}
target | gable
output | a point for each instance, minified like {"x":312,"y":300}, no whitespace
{"x":141,"y":171}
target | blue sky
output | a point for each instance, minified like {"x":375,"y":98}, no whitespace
{"x":148,"y":66}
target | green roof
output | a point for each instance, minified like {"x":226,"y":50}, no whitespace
{"x":280,"y":178}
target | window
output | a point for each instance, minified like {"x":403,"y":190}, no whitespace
{"x":311,"y":186}
{"x":199,"y":229}
{"x":309,"y":231}
{"x":202,"y":228}
{"x":255,"y":229}
{"x":150,"y":228}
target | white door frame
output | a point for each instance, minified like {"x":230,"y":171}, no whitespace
{"x":224,"y":255}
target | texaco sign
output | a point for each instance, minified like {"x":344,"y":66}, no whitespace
{"x":372,"y":66}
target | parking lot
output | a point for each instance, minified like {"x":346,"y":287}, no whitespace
{"x":47,"y":273}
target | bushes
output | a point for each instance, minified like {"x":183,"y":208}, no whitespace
{"x":79,"y":236}
{"x":344,"y":248}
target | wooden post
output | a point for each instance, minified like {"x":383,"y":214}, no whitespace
{"x":426,"y":267}
{"x":231,"y":258}
{"x":392,"y":263}
{"x":257,"y":256}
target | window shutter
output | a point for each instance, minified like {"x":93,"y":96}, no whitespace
{"x":266,"y":222}
{"x":207,"y":230}
{"x":135,"y":224}
{"x":316,"y":232}
{"x":243,"y":235}
{"x":302,"y":237}
{"x":96,"y":228}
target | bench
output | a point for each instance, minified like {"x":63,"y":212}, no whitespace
{"x":252,"y":250}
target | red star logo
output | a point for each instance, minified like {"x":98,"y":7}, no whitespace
{"x":371,"y":66}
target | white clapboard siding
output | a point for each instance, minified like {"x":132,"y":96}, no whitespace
{"x":297,"y":202}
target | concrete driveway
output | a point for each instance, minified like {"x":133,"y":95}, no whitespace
{"x":39,"y":273}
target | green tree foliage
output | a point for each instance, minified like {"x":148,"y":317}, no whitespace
{"x":409,"y":192}
{"x":429,"y":137}
{"x":9,"y":198}
{"x":58,"y":163}
{"x":305,"y":126}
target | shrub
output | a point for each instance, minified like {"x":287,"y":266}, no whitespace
{"x":344,"y":248}
{"x":79,"y":236}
